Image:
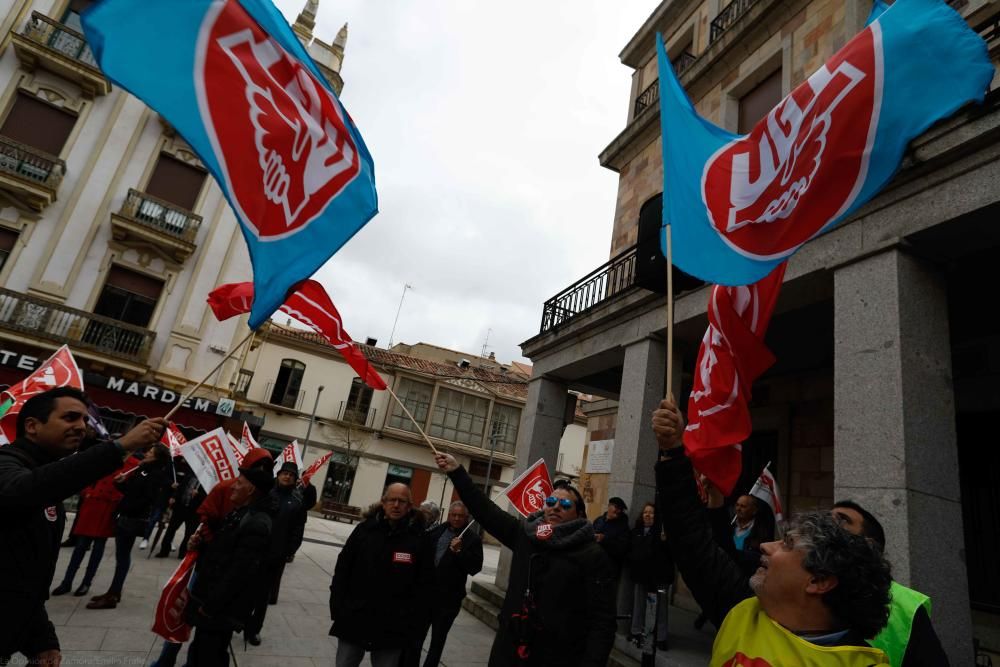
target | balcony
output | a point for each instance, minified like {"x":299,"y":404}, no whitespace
{"x":147,"y":220}
{"x":611,"y":279}
{"x":50,"y":45}
{"x":651,"y":96}
{"x":729,"y":15}
{"x":36,"y":318}
{"x":30,"y":175}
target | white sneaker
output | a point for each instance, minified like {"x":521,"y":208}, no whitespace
{"x":143,"y":544}
{"x":172,"y":549}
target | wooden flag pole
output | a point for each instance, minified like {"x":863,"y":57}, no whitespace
{"x":393,"y":394}
{"x":210,"y":374}
{"x":670,"y":314}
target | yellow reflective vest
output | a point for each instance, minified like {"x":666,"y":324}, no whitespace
{"x":896,"y":635}
{"x":749,"y":638}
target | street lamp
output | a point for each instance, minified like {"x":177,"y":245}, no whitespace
{"x":311,"y":420}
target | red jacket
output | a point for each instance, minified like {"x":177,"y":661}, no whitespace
{"x":98,"y":503}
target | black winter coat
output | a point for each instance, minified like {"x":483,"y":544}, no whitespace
{"x":289,"y":522}
{"x":573,"y":589}
{"x":649,"y":559}
{"x":453,"y":569}
{"x":142,"y":490}
{"x":616,"y":537}
{"x":33,"y":486}
{"x":380,"y":592}
{"x":229,"y":566}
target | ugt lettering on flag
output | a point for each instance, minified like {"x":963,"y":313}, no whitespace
{"x":740,"y":205}
{"x":236,"y":83}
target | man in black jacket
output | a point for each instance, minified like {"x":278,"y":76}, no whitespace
{"x":286,"y":537}
{"x":229,"y":567}
{"x":380,"y":592}
{"x":817,"y":591}
{"x":458,"y":554}
{"x":183,"y":504}
{"x":36,"y":474}
{"x":611,"y":530}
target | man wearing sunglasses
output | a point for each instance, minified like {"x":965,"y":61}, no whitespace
{"x":560,"y":604}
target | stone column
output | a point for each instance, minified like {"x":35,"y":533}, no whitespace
{"x":538,"y":436}
{"x":643,"y":382}
{"x":895,"y":449}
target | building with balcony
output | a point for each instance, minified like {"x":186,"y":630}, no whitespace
{"x":469,"y":406}
{"x":887,"y":363}
{"x":112,"y":233}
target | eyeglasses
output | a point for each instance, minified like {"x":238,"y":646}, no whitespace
{"x":397,"y":501}
{"x":564,"y":503}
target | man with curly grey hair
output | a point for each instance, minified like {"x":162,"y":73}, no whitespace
{"x":817,"y":596}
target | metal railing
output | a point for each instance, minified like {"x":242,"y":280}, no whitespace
{"x":729,"y":15}
{"x":604,"y":282}
{"x":31,"y":164}
{"x":353,"y":416}
{"x":60,"y":38}
{"x":161,"y":215}
{"x":288,"y":399}
{"x":243,"y":379}
{"x":651,"y":95}
{"x":61,"y":324}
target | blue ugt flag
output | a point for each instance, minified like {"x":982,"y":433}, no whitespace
{"x":233,"y":79}
{"x":740,"y":205}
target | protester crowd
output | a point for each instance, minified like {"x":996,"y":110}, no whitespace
{"x":821,"y":594}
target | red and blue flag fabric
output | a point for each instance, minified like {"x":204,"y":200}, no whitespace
{"x":234,"y":80}
{"x":739,"y":205}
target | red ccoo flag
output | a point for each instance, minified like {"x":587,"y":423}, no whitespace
{"x":308,"y":303}
{"x":528,"y":492}
{"x":731,"y":357}
{"x":314,"y":468}
{"x":59,"y":370}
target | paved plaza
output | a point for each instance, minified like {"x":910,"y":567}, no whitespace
{"x":295,"y":632}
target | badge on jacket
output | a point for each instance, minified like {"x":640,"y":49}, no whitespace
{"x":51,"y":513}
{"x":402,"y":557}
{"x":543,"y":531}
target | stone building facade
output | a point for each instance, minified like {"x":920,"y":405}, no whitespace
{"x":885,"y":386}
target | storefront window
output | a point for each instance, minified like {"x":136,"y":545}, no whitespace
{"x":339,"y":478}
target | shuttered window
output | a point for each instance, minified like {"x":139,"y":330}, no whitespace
{"x":758,"y":102}
{"x":8,"y":238}
{"x":38,"y":124}
{"x":176,"y":182}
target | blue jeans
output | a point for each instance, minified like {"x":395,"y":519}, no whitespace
{"x":123,"y":559}
{"x":77,"y":558}
{"x":168,"y":655}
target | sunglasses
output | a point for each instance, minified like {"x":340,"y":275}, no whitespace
{"x":564,"y":503}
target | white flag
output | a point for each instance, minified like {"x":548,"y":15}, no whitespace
{"x":246,"y":440}
{"x":293,"y":453}
{"x":766,"y":489}
{"x":211,"y":458}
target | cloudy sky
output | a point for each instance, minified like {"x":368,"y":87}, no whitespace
{"x":485,"y":120}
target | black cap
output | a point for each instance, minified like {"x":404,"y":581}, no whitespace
{"x":289,"y":466}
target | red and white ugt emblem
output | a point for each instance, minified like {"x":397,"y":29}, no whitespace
{"x":803,"y":165}
{"x":275,"y":129}
{"x":533,"y":496}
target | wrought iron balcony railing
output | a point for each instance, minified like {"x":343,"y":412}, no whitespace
{"x":31,"y":164}
{"x":60,"y":38}
{"x":53,"y":321}
{"x":729,"y":15}
{"x":651,"y":96}
{"x":161,"y":215}
{"x":604,"y":282}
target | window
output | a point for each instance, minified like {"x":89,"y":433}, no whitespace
{"x":359,"y":400}
{"x":503,"y":428}
{"x":176,"y":182}
{"x":340,"y":473}
{"x":38,"y":124}
{"x":8,"y":238}
{"x":129,"y":297}
{"x":416,"y":396}
{"x":286,"y":386}
{"x":759,"y":101}
{"x":459,"y":417}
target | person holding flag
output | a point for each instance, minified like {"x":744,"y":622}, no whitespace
{"x":36,"y":474}
{"x":816,"y":598}
{"x":560,"y":605}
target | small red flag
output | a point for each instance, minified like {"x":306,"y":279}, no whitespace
{"x":731,"y":357}
{"x":173,"y":439}
{"x":308,"y":303}
{"x":528,"y":492}
{"x":314,"y":468}
{"x":168,"y":621}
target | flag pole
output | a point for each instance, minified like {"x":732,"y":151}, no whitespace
{"x":466,"y":528}
{"x":412,"y":419}
{"x":670,"y":314}
{"x":189,"y":394}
